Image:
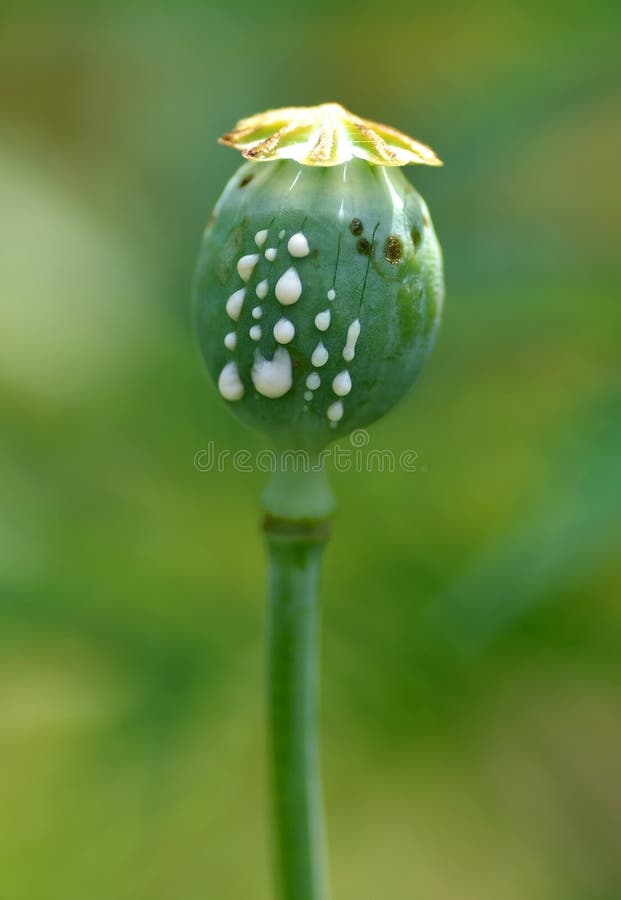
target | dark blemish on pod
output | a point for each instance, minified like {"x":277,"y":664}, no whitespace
{"x":393,"y":249}
{"x":246,"y":180}
{"x":364,"y":247}
{"x":356,"y":227}
{"x":416,"y":237}
{"x":426,"y":221}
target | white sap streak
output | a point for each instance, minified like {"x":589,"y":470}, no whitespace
{"x":397,"y":201}
{"x":284,"y":331}
{"x":234,"y":304}
{"x":322,"y":320}
{"x":335,"y":412}
{"x":245,"y":266}
{"x":272,"y":377}
{"x":353,"y":333}
{"x":320,"y":355}
{"x":341,"y":385}
{"x":298,"y":245}
{"x":229,"y":382}
{"x":288,"y":288}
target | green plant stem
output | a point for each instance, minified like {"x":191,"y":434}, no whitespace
{"x":295,"y":548}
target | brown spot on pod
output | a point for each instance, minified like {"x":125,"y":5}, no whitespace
{"x":356,"y":227}
{"x":246,"y":180}
{"x":416,"y":237}
{"x":393,"y":249}
{"x":365,"y":247}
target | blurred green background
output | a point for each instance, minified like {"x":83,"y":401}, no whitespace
{"x":472,"y":625}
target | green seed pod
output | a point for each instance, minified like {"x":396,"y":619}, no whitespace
{"x":319,"y":284}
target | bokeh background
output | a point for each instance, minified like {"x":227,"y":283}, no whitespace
{"x":472,"y":618}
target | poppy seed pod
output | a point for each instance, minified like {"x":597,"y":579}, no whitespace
{"x":319,"y":284}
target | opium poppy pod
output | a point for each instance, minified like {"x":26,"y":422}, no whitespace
{"x":317,"y":298}
{"x":319,"y":285}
